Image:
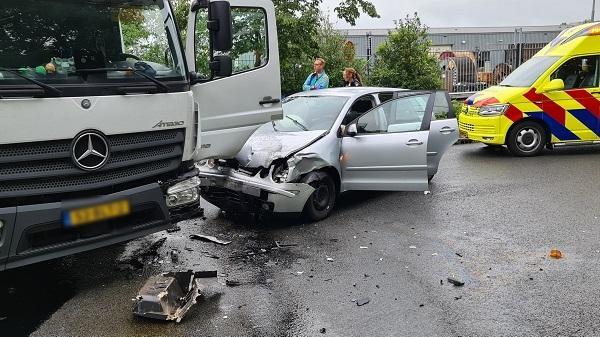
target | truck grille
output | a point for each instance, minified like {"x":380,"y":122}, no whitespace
{"x":43,"y":168}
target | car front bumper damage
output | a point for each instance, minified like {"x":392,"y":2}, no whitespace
{"x":232,"y":190}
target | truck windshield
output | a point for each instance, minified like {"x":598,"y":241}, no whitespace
{"x":61,"y":42}
{"x":529,"y":72}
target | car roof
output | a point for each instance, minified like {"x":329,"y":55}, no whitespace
{"x":347,"y":91}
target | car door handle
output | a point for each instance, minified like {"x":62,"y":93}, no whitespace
{"x":269,"y":100}
{"x":447,"y":130}
{"x":595,"y":93}
{"x":414,"y":142}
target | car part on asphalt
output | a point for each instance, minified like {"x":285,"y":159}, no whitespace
{"x":209,"y":238}
{"x":362,"y":301}
{"x":556,"y":254}
{"x":169,"y":296}
{"x":455,"y":282}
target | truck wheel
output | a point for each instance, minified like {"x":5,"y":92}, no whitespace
{"x":320,"y":204}
{"x":526,"y":139}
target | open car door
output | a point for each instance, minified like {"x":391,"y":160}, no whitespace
{"x":385,"y":149}
{"x":443,"y":131}
{"x":237,"y":87}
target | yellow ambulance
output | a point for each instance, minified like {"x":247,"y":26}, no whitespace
{"x":551,"y":100}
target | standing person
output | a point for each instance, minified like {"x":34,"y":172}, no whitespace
{"x":318,"y":79}
{"x":351,"y":78}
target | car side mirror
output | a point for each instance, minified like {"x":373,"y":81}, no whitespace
{"x":554,"y":85}
{"x":220,"y":26}
{"x":221,"y":66}
{"x":351,"y":130}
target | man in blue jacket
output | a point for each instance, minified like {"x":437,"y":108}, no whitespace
{"x":318,"y":79}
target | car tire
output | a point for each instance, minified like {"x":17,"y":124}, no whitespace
{"x":321,"y":202}
{"x":526,"y":139}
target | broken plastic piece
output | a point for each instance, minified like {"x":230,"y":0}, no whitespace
{"x":362,"y":301}
{"x":556,"y":254}
{"x":455,"y":282}
{"x":209,"y":238}
{"x":169,"y":296}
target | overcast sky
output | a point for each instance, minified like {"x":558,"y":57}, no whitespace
{"x":460,"y":13}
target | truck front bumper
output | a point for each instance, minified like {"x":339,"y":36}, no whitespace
{"x":35,"y":233}
{"x":234,"y":191}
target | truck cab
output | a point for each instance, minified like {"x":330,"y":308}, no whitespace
{"x":103,"y":115}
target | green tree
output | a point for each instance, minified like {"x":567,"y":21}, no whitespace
{"x":404,"y":60}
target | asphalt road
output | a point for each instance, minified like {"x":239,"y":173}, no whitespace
{"x":490,"y":221}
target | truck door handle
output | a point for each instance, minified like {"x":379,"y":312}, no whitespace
{"x":595,"y":92}
{"x":447,"y":130}
{"x":269,"y":100}
{"x":414,"y":142}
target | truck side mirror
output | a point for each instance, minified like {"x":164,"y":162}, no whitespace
{"x":220,"y":26}
{"x":221,"y":66}
{"x":555,"y":85}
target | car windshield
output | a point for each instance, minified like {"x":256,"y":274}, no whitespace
{"x":62,"y":42}
{"x":310,"y":113}
{"x":529,"y":72}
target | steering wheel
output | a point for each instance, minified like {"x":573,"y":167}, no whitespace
{"x":126,"y":56}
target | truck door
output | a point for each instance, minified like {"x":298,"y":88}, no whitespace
{"x":231,"y":108}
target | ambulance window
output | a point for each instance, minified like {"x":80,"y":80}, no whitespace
{"x":579,"y":72}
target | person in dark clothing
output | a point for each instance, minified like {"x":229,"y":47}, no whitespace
{"x":351,"y":78}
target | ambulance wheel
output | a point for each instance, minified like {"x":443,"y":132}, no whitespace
{"x":526,"y":139}
{"x":320,"y":204}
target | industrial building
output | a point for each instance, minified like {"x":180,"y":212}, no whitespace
{"x":470,"y":57}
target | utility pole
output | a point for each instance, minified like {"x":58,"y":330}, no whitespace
{"x":593,"y":10}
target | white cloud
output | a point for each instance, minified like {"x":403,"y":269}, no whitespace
{"x":444,"y":13}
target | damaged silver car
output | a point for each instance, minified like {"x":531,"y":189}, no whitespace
{"x":332,"y":141}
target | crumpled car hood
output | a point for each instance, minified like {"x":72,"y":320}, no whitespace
{"x":267,"y":145}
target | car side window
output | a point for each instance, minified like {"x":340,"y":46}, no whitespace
{"x":359,"y":107}
{"x":404,"y":114}
{"x":441,"y":108}
{"x":250,"y":45}
{"x":579,"y":72}
{"x":385,"y":96}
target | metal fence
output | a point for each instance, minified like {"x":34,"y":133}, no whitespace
{"x":466,"y":71}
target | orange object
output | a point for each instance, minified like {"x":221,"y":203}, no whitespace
{"x":556,"y":254}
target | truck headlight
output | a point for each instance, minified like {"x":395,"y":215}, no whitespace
{"x":493,"y":110}
{"x":183,"y":193}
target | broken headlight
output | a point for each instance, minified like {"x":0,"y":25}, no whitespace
{"x":183,"y":193}
{"x":280,"y":173}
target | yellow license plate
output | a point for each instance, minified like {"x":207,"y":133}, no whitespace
{"x":97,"y":213}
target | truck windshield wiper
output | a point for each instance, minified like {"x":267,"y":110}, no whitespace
{"x":48,"y":89}
{"x":164,"y":87}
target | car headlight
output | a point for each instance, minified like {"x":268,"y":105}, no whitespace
{"x":493,"y":110}
{"x":183,"y":193}
{"x":280,"y":173}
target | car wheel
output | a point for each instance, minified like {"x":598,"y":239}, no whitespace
{"x":320,"y":204}
{"x":526,"y":139}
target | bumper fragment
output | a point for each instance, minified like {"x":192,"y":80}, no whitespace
{"x":231,"y":190}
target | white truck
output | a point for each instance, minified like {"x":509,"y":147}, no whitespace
{"x":103,"y":114}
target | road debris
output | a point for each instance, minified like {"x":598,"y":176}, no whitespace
{"x":174,"y":256}
{"x":458,"y":254}
{"x":456,"y":282}
{"x":169,"y":296}
{"x":412,"y":247}
{"x":323,"y":330}
{"x":232,"y":283}
{"x":556,"y":254}
{"x":209,"y":238}
{"x":362,"y":301}
{"x":330,"y":259}
{"x":285,"y":245}
{"x":363,"y":247}
{"x":427,"y":192}
{"x":174,"y":229}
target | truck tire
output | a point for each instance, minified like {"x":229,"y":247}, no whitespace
{"x":320,"y":204}
{"x":526,"y":139}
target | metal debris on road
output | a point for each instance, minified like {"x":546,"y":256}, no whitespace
{"x":174,"y":229}
{"x":169,"y":296}
{"x":362,"y":301}
{"x":209,"y":239}
{"x":456,"y":282}
{"x":556,"y":254}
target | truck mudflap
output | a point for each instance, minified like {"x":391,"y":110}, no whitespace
{"x":36,"y":233}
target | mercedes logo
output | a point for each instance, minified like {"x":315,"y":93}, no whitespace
{"x":90,"y":151}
